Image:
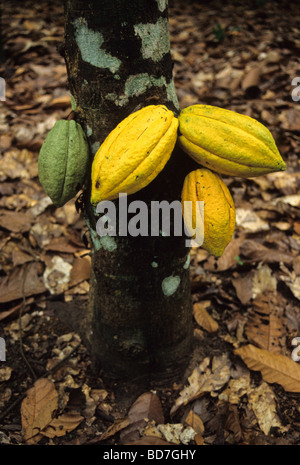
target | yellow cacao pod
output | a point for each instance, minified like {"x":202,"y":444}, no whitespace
{"x":217,"y":219}
{"x":134,"y":153}
{"x":228,"y":142}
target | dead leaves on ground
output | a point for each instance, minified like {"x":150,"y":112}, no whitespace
{"x":38,"y":407}
{"x":264,"y":326}
{"x":230,"y":387}
{"x":261,"y":400}
{"x":230,"y":384}
{"x":204,"y":379}
{"x":55,"y":406}
{"x":252,"y":294}
{"x":265,"y":323}
{"x":31,"y":229}
{"x":146,"y":425}
{"x":247,"y":299}
{"x":275,"y":368}
{"x":203,"y":318}
{"x":38,"y":414}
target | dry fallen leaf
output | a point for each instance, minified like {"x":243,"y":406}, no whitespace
{"x":243,"y":287}
{"x":147,"y":407}
{"x":233,"y":423}
{"x":265,"y":327}
{"x":204,"y":379}
{"x":275,"y":368}
{"x":236,"y":389}
{"x":228,"y":259}
{"x":263,"y":280}
{"x":254,"y":283}
{"x":81,"y":270}
{"x":60,"y":102}
{"x":93,"y":400}
{"x":195,"y":422}
{"x":250,"y":221}
{"x":251,"y":78}
{"x":19,"y":257}
{"x":293,"y":200}
{"x":257,"y":252}
{"x":203,"y":318}
{"x":5,"y":395}
{"x":11,"y":285}
{"x":152,"y":431}
{"x":115,"y":428}
{"x":291,"y":279}
{"x":294,"y":287}
{"x":5,"y":373}
{"x":177,"y":433}
{"x":261,"y":399}
{"x":57,"y":275}
{"x":16,"y":309}
{"x":62,"y":425}
{"x":262,"y":402}
{"x":15,"y":221}
{"x":38,"y":408}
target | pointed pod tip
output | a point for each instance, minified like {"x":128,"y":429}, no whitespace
{"x":94,"y":199}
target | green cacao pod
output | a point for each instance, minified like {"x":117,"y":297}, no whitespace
{"x":215,"y":223}
{"x":228,"y":142}
{"x":63,"y":161}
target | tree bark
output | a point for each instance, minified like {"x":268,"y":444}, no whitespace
{"x":139,"y":322}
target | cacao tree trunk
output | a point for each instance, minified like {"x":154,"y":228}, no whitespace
{"x":139,"y":321}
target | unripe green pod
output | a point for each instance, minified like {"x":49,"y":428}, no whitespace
{"x":63,"y":161}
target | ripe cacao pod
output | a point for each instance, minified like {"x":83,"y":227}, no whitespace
{"x":134,"y":153}
{"x":217,"y":220}
{"x":63,"y":161}
{"x":228,"y":142}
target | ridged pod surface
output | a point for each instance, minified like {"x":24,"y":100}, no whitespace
{"x":63,"y":161}
{"x":134,"y":153}
{"x":217,"y":220}
{"x":228,"y":142}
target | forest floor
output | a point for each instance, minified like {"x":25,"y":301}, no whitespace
{"x":243,"y":383}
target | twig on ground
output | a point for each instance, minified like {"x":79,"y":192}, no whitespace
{"x":20,"y":324}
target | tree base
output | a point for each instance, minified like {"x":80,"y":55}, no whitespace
{"x":75,"y":316}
